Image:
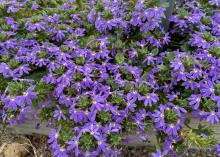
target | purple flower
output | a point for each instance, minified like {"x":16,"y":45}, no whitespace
{"x":177,"y":65}
{"x":102,"y":145}
{"x":12,"y":9}
{"x":159,"y":116}
{"x":150,"y":59}
{"x":214,"y":2}
{"x":173,"y":96}
{"x":133,"y":96}
{"x":139,"y":121}
{"x":130,"y":105}
{"x":11,"y":102}
{"x":171,"y":129}
{"x":97,"y":103}
{"x":34,"y":6}
{"x":158,"y":153}
{"x":59,"y":114}
{"x":74,"y":144}
{"x":197,"y":40}
{"x":91,"y":16}
{"x":53,"y":137}
{"x":59,"y":34}
{"x":213,"y":117}
{"x":194,"y":101}
{"x":37,"y":26}
{"x":133,"y":53}
{"x":60,"y":151}
{"x":150,"y":98}
{"x":217,"y":149}
{"x":207,"y":88}
{"x":24,"y":69}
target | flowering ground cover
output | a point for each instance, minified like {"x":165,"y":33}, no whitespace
{"x":97,"y":69}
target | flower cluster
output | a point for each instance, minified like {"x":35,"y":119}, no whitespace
{"x":97,"y":70}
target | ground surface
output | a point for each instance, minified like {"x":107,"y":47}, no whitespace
{"x":36,"y":146}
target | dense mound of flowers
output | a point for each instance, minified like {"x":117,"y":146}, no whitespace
{"x":99,"y":70}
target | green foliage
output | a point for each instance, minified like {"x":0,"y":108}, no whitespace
{"x":155,"y":51}
{"x":215,"y":51}
{"x":112,"y":83}
{"x":170,"y":116}
{"x":208,"y":36}
{"x":119,"y":58}
{"x":125,"y":74}
{"x":66,"y":131}
{"x":84,"y":102}
{"x":115,"y":139}
{"x":143,"y":89}
{"x":104,"y":117}
{"x":185,"y":47}
{"x":5,"y":57}
{"x":217,"y":88}
{"x":46,"y":113}
{"x":80,"y":60}
{"x":206,"y":20}
{"x":180,"y":148}
{"x":43,"y":89}
{"x":16,"y":88}
{"x":79,"y":4}
{"x":13,"y":63}
{"x":116,"y":99}
{"x":197,"y":138}
{"x":71,"y":91}
{"x":3,"y":83}
{"x":208,"y":104}
{"x":184,"y":104}
{"x":129,"y":87}
{"x":36,"y":74}
{"x":77,"y":77}
{"x":182,"y":13}
{"x":129,"y":126}
{"x":163,"y":67}
{"x":87,"y":141}
{"x":203,"y":129}
{"x":165,"y":5}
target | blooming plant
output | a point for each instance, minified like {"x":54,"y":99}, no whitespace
{"x":97,"y":70}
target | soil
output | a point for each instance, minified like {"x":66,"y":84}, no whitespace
{"x":12,"y":145}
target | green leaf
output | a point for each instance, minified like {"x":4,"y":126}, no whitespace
{"x":45,"y":113}
{"x":155,"y":51}
{"x":170,"y":116}
{"x":208,"y":104}
{"x":14,"y":63}
{"x":163,"y":67}
{"x":87,"y":141}
{"x":129,"y":126}
{"x":84,"y":102}
{"x":215,"y":51}
{"x":115,"y":139}
{"x":112,"y":83}
{"x":104,"y":116}
{"x":5,"y":57}
{"x":164,"y":4}
{"x":208,"y":36}
{"x":119,"y":57}
{"x":182,"y":13}
{"x":143,"y":89}
{"x":128,"y":87}
{"x":116,"y":99}
{"x":66,"y":133}
{"x":119,"y":44}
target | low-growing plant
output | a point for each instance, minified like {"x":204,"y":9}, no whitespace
{"x":97,"y":70}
